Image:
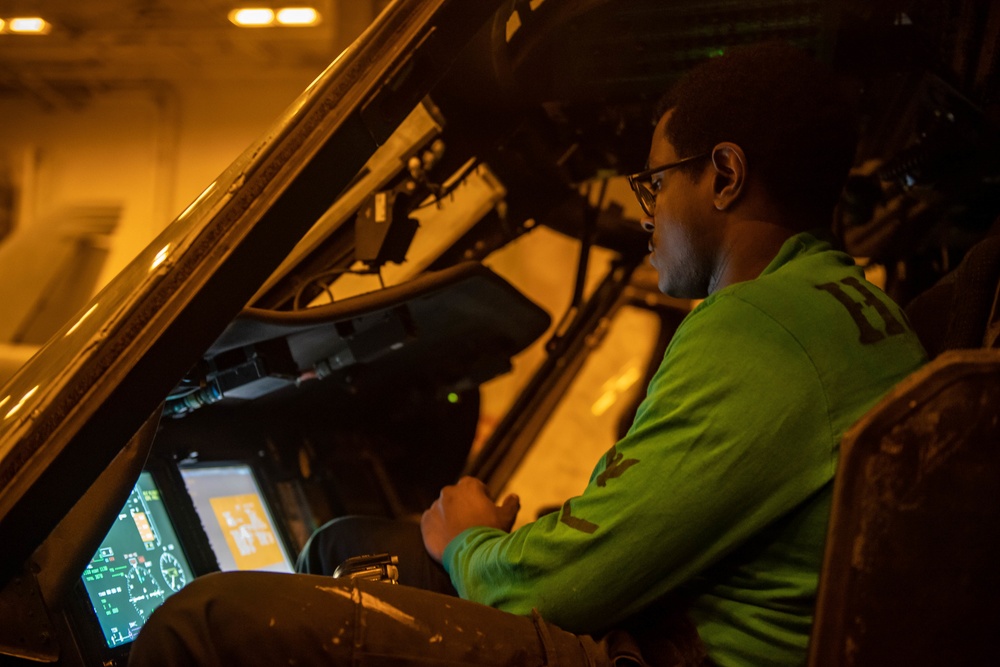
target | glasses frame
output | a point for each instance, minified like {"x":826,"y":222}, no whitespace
{"x":641,"y":189}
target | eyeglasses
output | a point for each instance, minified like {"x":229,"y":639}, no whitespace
{"x":640,"y":182}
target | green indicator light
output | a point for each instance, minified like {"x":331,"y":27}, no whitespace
{"x":452,"y":397}
{"x":715,"y":53}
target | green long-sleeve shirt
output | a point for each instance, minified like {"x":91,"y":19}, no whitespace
{"x":721,"y":488}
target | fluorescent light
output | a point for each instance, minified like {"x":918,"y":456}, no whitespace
{"x":29,"y":24}
{"x":259,"y":17}
{"x":252,"y":17}
{"x":299,"y":16}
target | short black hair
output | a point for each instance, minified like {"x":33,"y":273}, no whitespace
{"x":788,"y":112}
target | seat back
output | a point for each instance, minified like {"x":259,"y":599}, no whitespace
{"x":911,"y":574}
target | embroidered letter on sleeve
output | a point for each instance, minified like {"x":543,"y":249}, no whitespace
{"x":576,"y":523}
{"x":614,"y":466}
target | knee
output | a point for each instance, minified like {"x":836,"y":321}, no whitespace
{"x":249,"y":618}
{"x":200,"y":598}
{"x":347,"y":536}
{"x":178,"y":632}
{"x":322,"y":550}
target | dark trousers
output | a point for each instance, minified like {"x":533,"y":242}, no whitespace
{"x":256,"y":618}
{"x":351,"y":536}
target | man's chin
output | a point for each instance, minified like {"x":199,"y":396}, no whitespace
{"x":670,"y":290}
{"x":679,"y":291}
{"x":663,"y":281}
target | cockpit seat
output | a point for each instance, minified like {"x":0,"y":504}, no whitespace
{"x":912,"y":568}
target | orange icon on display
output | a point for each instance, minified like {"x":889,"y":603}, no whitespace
{"x":247,"y":530}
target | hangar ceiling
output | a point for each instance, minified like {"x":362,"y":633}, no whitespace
{"x":101,"y":45}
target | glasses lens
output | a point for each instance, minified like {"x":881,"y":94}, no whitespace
{"x":647,"y":200}
{"x":639,"y":193}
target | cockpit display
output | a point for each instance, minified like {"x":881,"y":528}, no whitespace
{"x":236,"y":518}
{"x":138,"y":565}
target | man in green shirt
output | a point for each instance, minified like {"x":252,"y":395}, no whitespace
{"x":700,"y":535}
{"x":719,"y":494}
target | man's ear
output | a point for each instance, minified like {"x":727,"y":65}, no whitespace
{"x":730,"y":174}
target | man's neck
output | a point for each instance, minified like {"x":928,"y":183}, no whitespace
{"x":749,"y":246}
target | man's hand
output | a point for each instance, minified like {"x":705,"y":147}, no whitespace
{"x":462,"y":506}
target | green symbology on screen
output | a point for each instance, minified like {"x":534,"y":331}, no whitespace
{"x":138,"y":565}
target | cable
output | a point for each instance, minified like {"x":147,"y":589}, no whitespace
{"x":326,"y":286}
{"x":296,"y":305}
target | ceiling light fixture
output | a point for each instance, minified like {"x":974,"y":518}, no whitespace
{"x":263,"y":17}
{"x":252,"y":17}
{"x":29,"y":25}
{"x":298,"y":16}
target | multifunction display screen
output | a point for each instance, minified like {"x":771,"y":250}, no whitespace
{"x":138,"y":565}
{"x":236,"y":518}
